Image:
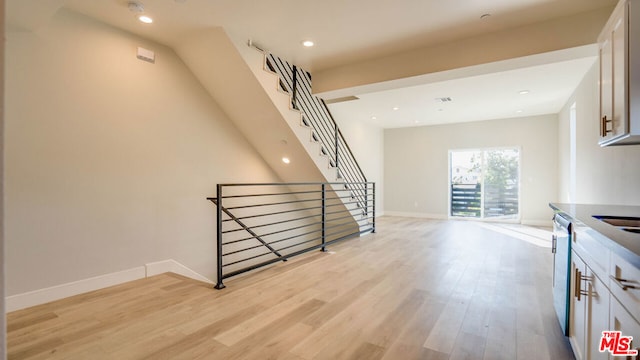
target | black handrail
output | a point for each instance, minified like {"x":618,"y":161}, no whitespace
{"x":276,"y":218}
{"x":316,"y":114}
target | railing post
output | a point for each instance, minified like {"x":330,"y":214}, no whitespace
{"x":374,"y":207}
{"x":295,"y":87}
{"x":324,"y":217}
{"x":336,"y":147}
{"x":219,"y":285}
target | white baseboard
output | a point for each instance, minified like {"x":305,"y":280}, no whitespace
{"x":174,"y":267}
{"x":41,"y":296}
{"x":416,"y":215}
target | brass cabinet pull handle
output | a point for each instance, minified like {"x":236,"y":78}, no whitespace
{"x":603,"y":126}
{"x":578,"y":286}
{"x":621,"y":282}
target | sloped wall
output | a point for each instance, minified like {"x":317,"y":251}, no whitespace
{"x":109,"y":159}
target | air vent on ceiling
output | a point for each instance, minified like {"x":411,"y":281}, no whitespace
{"x":443,"y":99}
{"x":342,"y":99}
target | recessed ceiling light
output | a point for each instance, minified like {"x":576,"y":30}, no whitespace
{"x":523,"y":92}
{"x":374,"y":118}
{"x":416,"y":121}
{"x":307,"y":43}
{"x":286,"y":160}
{"x":518,"y":111}
{"x":395,"y":108}
{"x":145,"y":19}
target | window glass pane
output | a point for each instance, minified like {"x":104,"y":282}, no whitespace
{"x":501,"y":183}
{"x":485,"y":183}
{"x":466,"y":170}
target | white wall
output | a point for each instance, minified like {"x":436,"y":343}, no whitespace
{"x":367,"y":144}
{"x":109,"y":159}
{"x":416,"y":163}
{"x":3,"y":327}
{"x":604,"y":175}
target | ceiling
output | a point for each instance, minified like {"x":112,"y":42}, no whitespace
{"x":523,"y":92}
{"x":350,"y":31}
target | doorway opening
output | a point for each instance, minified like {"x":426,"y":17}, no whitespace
{"x":485,"y":183}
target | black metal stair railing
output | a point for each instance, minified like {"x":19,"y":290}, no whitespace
{"x":316,"y":115}
{"x":260,"y":224}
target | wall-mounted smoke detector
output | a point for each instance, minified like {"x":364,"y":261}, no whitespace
{"x":443,"y":99}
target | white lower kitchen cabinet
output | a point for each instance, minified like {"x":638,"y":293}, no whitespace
{"x":589,"y":311}
{"x":621,"y":320}
{"x":598,"y":319}
{"x":578,"y":309}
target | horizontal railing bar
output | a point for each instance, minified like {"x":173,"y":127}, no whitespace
{"x":341,"y":217}
{"x":272,"y":233}
{"x":301,"y":218}
{"x":277,"y":222}
{"x":291,"y":184}
{"x":275,"y":242}
{"x":270,"y":204}
{"x":272,"y":194}
{"x":293,"y":254}
{"x":288,"y":238}
{"x":276,"y":213}
{"x":338,"y":224}
{"x":353,"y":189}
{"x":263,"y":254}
{"x":283,"y":248}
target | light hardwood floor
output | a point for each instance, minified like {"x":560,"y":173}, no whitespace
{"x":417,"y":289}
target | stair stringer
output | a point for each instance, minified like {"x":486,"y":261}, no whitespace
{"x":270,"y":81}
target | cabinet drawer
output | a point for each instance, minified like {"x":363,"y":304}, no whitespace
{"x":625,"y":284}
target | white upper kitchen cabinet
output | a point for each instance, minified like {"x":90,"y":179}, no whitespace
{"x":619,"y":48}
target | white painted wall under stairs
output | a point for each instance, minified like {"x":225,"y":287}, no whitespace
{"x":236,"y":77}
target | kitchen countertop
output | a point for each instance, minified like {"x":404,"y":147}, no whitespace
{"x":625,"y":244}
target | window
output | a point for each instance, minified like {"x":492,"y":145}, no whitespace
{"x":485,"y":183}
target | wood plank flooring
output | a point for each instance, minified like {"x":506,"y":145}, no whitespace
{"x":417,"y":289}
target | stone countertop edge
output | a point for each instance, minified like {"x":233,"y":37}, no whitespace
{"x":623,"y":243}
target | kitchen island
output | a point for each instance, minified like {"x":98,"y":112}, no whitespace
{"x":625,"y":244}
{"x":604,"y":289}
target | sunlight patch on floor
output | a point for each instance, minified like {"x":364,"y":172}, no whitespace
{"x":535,"y":236}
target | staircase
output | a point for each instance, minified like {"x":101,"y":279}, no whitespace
{"x":247,"y":85}
{"x":323,"y":196}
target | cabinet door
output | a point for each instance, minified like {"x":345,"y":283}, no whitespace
{"x":620,"y":125}
{"x":613,"y":85}
{"x":578,"y":309}
{"x":606,"y":88}
{"x":597,"y":315}
{"x":622,"y":321}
